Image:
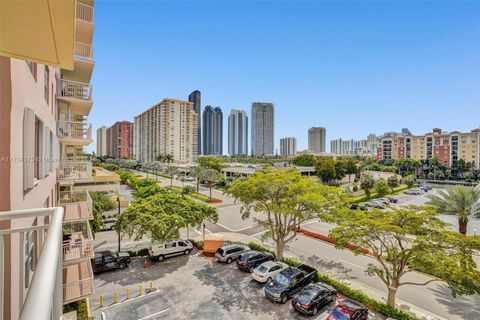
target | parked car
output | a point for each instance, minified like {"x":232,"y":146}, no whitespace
{"x":349,"y":310}
{"x":356,"y":206}
{"x":251,"y":259}
{"x":267,"y":270}
{"x":424,"y":188}
{"x":107,"y":260}
{"x":393,"y":200}
{"x":109,"y":223}
{"x":374,"y":204}
{"x":382,"y":200}
{"x":289,"y":282}
{"x":411,"y":192}
{"x":160,"y":251}
{"x":188,"y":178}
{"x":313,"y":298}
{"x":230,"y":252}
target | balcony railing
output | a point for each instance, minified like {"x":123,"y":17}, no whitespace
{"x":74,"y":130}
{"x":83,"y":51}
{"x":77,"y":242}
{"x":74,"y":170}
{"x":44,"y":297}
{"x":78,"y":281}
{"x":77,"y":205}
{"x":84,"y":12}
{"x":74,"y":89}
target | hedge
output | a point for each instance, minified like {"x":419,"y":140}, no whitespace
{"x":346,"y":291}
{"x":373,"y":195}
{"x":138,"y":253}
{"x":79,"y":306}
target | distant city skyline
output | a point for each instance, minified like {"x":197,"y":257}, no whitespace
{"x":373,"y":68}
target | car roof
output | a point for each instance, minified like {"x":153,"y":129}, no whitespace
{"x":232,"y":245}
{"x":350,"y":304}
{"x":103,"y":253}
{"x":322,"y":286}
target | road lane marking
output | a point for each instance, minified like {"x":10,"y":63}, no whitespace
{"x":353,"y":264}
{"x":476,"y":310}
{"x":155,"y":314}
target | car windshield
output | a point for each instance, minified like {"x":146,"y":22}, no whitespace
{"x":282,"y":279}
{"x":220,"y":250}
{"x":339,"y":315}
{"x":262,"y":269}
{"x":246,"y":256}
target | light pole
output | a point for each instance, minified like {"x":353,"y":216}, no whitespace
{"x":118,"y":231}
{"x":474,"y":232}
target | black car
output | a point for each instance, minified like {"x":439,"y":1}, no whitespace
{"x":251,"y":259}
{"x":107,"y":260}
{"x":313,"y":298}
{"x":393,"y":200}
{"x":356,"y":206}
{"x":289,"y":282}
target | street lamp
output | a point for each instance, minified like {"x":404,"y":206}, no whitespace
{"x":474,"y":232}
{"x":118,"y":231}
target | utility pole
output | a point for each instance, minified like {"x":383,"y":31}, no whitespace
{"x":118,"y":232}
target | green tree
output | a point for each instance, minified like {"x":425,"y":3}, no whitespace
{"x":461,"y":167}
{"x":352,"y":167}
{"x":160,"y":158}
{"x":197,"y":172}
{"x":214,"y":163}
{"x":459,"y":201}
{"x":381,"y":187}
{"x":410,"y":180}
{"x":101,"y":202}
{"x":169,"y":158}
{"x":403,"y":240}
{"x":325,"y":169}
{"x":161,"y":216}
{"x":340,"y":169}
{"x":367,"y":183}
{"x":393,"y":182}
{"x":210,"y":176}
{"x":305,"y":160}
{"x":170,"y":171}
{"x":286,"y":199}
{"x":145,"y":188}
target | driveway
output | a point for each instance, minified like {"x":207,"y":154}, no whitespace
{"x":188,"y":287}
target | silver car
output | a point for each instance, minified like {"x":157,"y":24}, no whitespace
{"x":230,"y":252}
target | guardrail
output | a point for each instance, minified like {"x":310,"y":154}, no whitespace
{"x":74,"y":170}
{"x":84,"y":12}
{"x":77,"y":205}
{"x":83,"y":51}
{"x":74,"y":130}
{"x":45,"y":296}
{"x":74,"y":89}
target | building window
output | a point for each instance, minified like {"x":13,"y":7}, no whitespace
{"x":46,"y":80}
{"x":32,"y":66}
{"x":36,"y":165}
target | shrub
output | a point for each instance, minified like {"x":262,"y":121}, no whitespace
{"x":355,"y":188}
{"x":430,"y":176}
{"x":259,"y":247}
{"x":325,"y":238}
{"x":381,"y":187}
{"x":410,"y":180}
{"x":393,"y":182}
{"x":188,"y":189}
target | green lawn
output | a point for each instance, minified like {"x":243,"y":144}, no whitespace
{"x":374,"y":195}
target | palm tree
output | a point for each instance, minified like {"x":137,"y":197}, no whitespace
{"x":197,"y":172}
{"x":168,"y":158}
{"x":160,"y":158}
{"x":171,"y":171}
{"x":459,"y":201}
{"x":210,"y":175}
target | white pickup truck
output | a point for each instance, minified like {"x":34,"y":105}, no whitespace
{"x":160,"y":251}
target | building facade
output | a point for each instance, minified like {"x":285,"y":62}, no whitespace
{"x":43,"y":111}
{"x":336,"y":146}
{"x":196,"y":98}
{"x":169,"y":127}
{"x":288,"y":146}
{"x":212,"y":131}
{"x":102,"y":141}
{"x":120,"y":140}
{"x":317,"y":139}
{"x":237,"y":133}
{"x":447,"y":146}
{"x":263,"y":126}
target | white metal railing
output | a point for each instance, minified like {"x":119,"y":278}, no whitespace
{"x":84,"y":12}
{"x":77,"y":241}
{"x":44,"y":298}
{"x":74,"y":89}
{"x":74,"y":170}
{"x":77,"y":205}
{"x":74,"y":130}
{"x":83,"y":51}
{"x":75,"y":290}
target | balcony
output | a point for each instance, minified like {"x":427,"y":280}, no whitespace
{"x":74,"y":170}
{"x":44,"y":296}
{"x":77,"y":94}
{"x":84,"y":30}
{"x":77,"y":206}
{"x":83,"y":51}
{"x":77,"y":242}
{"x":74,"y":133}
{"x":77,"y":281}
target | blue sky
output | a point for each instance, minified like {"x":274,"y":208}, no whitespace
{"x":352,"y":67}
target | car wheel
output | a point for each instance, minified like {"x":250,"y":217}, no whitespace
{"x":269,"y":279}
{"x":122,"y":265}
{"x":283,"y":299}
{"x":229,"y":260}
{"x":314,"y":311}
{"x":160,"y":258}
{"x":250,"y":269}
{"x":186,"y":252}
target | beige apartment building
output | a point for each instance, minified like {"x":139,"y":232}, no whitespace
{"x":45,"y":96}
{"x":169,"y":127}
{"x":448,"y":146}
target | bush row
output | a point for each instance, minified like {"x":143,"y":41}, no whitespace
{"x":348,"y":292}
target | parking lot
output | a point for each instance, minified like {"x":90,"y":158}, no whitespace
{"x":187,"y":287}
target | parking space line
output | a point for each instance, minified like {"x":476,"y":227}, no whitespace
{"x":353,"y":264}
{"x":155,"y":314}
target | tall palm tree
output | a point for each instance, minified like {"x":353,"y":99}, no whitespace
{"x":210,"y":175}
{"x":460,"y":201}
{"x":171,"y":171}
{"x":168,"y":158}
{"x":197,"y":172}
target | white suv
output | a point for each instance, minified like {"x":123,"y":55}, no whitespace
{"x":167,"y":249}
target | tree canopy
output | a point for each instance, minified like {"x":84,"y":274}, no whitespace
{"x":305,"y":160}
{"x":406,"y":239}
{"x":215,"y":163}
{"x":162,"y":215}
{"x":286,"y":199}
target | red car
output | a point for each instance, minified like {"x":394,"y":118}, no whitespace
{"x":349,"y":310}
